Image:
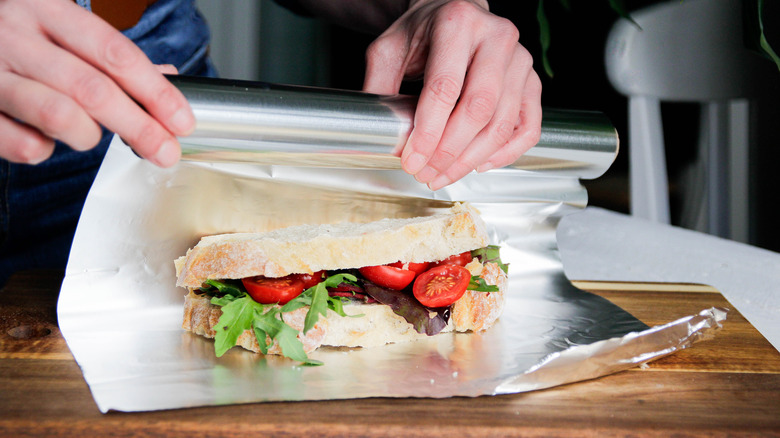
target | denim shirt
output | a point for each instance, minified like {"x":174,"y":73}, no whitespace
{"x":40,"y":205}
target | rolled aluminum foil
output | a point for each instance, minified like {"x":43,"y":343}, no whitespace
{"x":257,"y":122}
{"x":121,"y":313}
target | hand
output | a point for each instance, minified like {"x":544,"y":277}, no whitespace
{"x":480,"y":106}
{"x":64,"y":71}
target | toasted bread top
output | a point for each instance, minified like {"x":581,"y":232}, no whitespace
{"x":311,"y":248}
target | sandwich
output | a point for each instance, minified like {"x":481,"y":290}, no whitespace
{"x":292,"y":290}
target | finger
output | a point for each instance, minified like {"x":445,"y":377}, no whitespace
{"x":123,"y":70}
{"x":23,"y":144}
{"x":51,"y":112}
{"x":490,"y":87}
{"x":528,"y":131}
{"x":117,"y":56}
{"x":385,"y":64}
{"x":98,"y":95}
{"x":444,"y":76}
{"x":501,"y":127}
{"x":167,"y":69}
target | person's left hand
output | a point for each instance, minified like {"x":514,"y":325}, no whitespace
{"x":480,"y":106}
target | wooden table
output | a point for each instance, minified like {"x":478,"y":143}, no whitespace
{"x":729,"y":385}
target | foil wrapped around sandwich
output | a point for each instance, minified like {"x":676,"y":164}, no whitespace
{"x":267,"y":156}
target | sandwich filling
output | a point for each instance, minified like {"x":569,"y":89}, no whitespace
{"x":423,"y":294}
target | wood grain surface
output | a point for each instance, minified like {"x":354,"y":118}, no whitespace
{"x":727,"y":386}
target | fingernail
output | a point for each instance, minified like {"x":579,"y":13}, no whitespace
{"x":439,"y":182}
{"x":183,"y":122}
{"x":415,"y":162}
{"x":168,"y":154}
{"x":485,"y":167}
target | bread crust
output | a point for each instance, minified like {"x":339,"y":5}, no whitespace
{"x":475,"y":311}
{"x":311,"y":248}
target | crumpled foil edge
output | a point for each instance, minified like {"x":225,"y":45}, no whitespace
{"x":617,"y":354}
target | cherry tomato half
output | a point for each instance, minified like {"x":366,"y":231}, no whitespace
{"x":267,"y":290}
{"x":418,"y":268}
{"x":310,"y":280}
{"x":461,"y":259}
{"x":441,"y":285}
{"x":388,"y":276}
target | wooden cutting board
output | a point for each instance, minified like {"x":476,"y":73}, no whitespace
{"x":729,"y":385}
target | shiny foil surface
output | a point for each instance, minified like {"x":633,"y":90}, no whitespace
{"x":120,"y":311}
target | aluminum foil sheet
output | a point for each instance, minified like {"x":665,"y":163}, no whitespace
{"x":120,"y":311}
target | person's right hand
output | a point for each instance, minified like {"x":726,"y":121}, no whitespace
{"x":64,"y":71}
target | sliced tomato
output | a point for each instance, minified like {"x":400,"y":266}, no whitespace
{"x":310,"y":280}
{"x":388,"y":276}
{"x":441,"y":285}
{"x":267,"y":290}
{"x":461,"y":259}
{"x":418,"y":268}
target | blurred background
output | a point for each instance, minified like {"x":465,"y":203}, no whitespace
{"x":259,"y":40}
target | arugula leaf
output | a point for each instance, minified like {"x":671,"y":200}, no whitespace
{"x":228,"y":287}
{"x":240,"y":312}
{"x":319,"y":306}
{"x":237,"y":316}
{"x":291,"y":346}
{"x":479,"y":284}
{"x":223,"y":301}
{"x":491,"y":254}
{"x":320,"y":302}
{"x":261,"y":336}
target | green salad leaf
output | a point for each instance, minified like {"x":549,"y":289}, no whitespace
{"x":240,"y":312}
{"x":229,"y":287}
{"x":237,"y":316}
{"x":479,"y":284}
{"x":491,"y":254}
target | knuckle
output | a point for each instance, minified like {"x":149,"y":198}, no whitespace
{"x":443,"y":158}
{"x":166,"y":100}
{"x":481,"y":106}
{"x":524,"y":57}
{"x":459,"y":10}
{"x":445,"y":89}
{"x":118,"y":51}
{"x":533,"y":135}
{"x":56,"y":115}
{"x":502,"y":131}
{"x":506,"y":29}
{"x":380,"y":48}
{"x":91,"y":90}
{"x":146,"y":138}
{"x":425,"y":140}
{"x":31,"y":149}
{"x":534,"y":84}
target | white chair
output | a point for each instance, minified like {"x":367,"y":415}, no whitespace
{"x":689,"y":51}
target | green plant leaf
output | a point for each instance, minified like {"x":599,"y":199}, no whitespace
{"x":619,"y":7}
{"x":544,"y":37}
{"x":764,"y":43}
{"x":237,"y":316}
{"x":229,"y":287}
{"x":491,"y":254}
{"x":479,"y":284}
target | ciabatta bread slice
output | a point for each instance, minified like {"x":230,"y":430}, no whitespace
{"x":311,"y":248}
